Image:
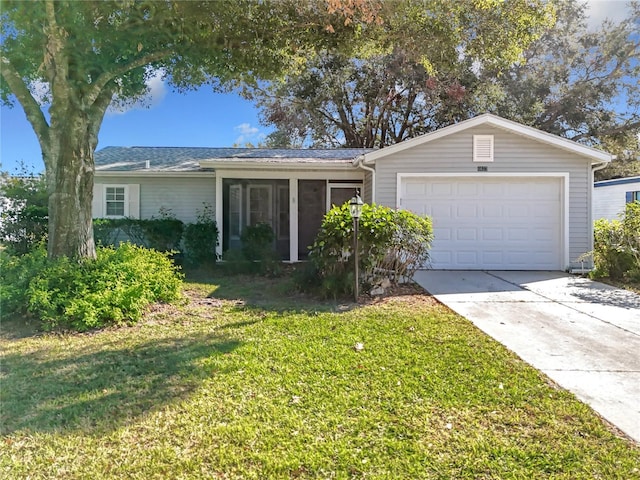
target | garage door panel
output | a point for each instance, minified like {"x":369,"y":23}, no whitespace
{"x":467,"y":257}
{"x":492,"y":211}
{"x":441,"y":258}
{"x":546,"y":209}
{"x":517,"y":212}
{"x":441,"y":189}
{"x":517,"y":235}
{"x":491,"y":234}
{"x":466,"y":234}
{"x":468,"y":190}
{"x":544,"y":235}
{"x":492,"y":223}
{"x":466,"y":211}
{"x":492,"y":258}
{"x":414,"y":188}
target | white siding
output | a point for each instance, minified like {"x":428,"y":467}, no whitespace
{"x":184,"y":196}
{"x":512,"y":154}
{"x":609,"y":200}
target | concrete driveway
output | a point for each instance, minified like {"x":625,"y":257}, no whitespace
{"x":584,"y":335}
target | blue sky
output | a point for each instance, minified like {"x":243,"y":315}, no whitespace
{"x":200,"y":118}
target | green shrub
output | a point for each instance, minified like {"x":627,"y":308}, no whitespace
{"x":24,"y":212}
{"x":616,"y":246}
{"x":115,"y":288}
{"x":163,"y":233}
{"x":258,"y":248}
{"x":609,"y":258}
{"x":16,"y":272}
{"x":201,"y":238}
{"x":106,"y":231}
{"x":631,"y":238}
{"x":392,"y":244}
{"x":257,"y":240}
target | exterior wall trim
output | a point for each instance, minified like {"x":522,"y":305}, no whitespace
{"x":616,"y":181}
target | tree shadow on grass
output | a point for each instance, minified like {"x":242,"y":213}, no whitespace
{"x":99,"y":391}
{"x":279,"y":294}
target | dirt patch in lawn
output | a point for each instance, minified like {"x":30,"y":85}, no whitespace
{"x":406,"y":293}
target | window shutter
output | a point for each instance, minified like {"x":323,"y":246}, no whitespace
{"x":483,"y":148}
{"x":628,"y":197}
{"x":134,"y":200}
{"x":98,"y":201}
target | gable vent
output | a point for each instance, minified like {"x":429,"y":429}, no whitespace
{"x":483,"y":148}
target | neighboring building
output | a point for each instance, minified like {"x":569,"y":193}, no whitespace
{"x":611,"y":196}
{"x":502,"y":195}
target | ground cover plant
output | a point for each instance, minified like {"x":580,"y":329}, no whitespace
{"x":248,"y":380}
{"x":116,"y":288}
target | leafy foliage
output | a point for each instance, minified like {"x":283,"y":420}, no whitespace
{"x":258,"y":248}
{"x":115,"y":288}
{"x":578,"y":83}
{"x":24,"y":215}
{"x":572,"y":81}
{"x":201,"y":237}
{"x":617,"y":245}
{"x":106,"y":231}
{"x":351,"y":102}
{"x":392,"y":244}
{"x":162,"y":233}
{"x":256,"y":240}
{"x":415,"y":79}
{"x":619,"y":168}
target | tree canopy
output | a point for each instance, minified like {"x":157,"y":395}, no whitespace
{"x":578,"y":83}
{"x":76,"y":58}
{"x":571,"y":81}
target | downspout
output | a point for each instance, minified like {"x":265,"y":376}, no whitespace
{"x":594,"y":169}
{"x":359,"y":163}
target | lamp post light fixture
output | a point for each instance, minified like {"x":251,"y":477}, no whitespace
{"x":355,"y":208}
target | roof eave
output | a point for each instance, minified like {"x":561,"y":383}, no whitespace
{"x":155,"y":173}
{"x":250,"y":165}
{"x":597,"y":156}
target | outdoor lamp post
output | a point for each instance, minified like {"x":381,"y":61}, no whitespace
{"x":355,"y":207}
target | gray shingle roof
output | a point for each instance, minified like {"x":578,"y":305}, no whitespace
{"x":129,"y":159}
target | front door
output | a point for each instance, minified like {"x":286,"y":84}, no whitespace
{"x":311,"y":210}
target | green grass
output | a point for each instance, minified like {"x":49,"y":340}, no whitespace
{"x":247,"y":382}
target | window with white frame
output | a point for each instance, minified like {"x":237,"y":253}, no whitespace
{"x":115,"y":201}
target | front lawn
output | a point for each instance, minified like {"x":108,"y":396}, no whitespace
{"x":248,"y":382}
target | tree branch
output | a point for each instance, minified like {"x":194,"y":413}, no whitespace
{"x":102,"y":81}
{"x":29,"y":104}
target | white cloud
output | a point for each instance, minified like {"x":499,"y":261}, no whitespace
{"x":157,"y":90}
{"x":599,"y":10}
{"x":41,"y":92}
{"x":248,"y":134}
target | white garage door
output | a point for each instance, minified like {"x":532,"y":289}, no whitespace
{"x":490,"y":223}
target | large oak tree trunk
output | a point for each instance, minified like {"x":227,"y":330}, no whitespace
{"x":70,"y":187}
